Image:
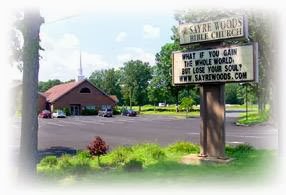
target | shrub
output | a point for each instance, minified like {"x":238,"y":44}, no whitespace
{"x":239,"y":149}
{"x":158,"y":154}
{"x":119,"y":156}
{"x":148,"y":153}
{"x":89,"y":112}
{"x":49,"y":161}
{"x":81,"y":159}
{"x":78,"y":164}
{"x":133,"y":165}
{"x":67,"y":111}
{"x":116,"y":111}
{"x":97,"y":148}
{"x":184,"y":147}
{"x":83,"y":155}
{"x":244,"y":148}
{"x":64,"y":162}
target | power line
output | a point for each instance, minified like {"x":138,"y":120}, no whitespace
{"x":62,"y":19}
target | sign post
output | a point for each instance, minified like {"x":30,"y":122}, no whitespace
{"x":212,"y":66}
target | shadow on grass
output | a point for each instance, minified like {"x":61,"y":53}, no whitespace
{"x":57,"y":151}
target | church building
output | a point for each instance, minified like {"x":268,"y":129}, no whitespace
{"x":77,"y":96}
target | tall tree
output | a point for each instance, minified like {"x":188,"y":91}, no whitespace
{"x":135,"y":78}
{"x":30,"y":28}
{"x":162,"y":74}
{"x":97,"y":78}
{"x":45,"y":85}
{"x":108,"y":81}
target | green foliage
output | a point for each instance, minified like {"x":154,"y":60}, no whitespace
{"x":146,"y":153}
{"x":248,"y":163}
{"x":160,"y":88}
{"x":116,"y":110}
{"x":89,"y":112}
{"x":133,"y":165}
{"x":119,"y":156}
{"x":45,"y":85}
{"x":231,"y":94}
{"x":254,"y":118}
{"x":239,"y":150}
{"x":49,"y":161}
{"x":184,"y":147}
{"x":64,"y":162}
{"x":67,"y":111}
{"x":135,"y":78}
{"x":187,"y":104}
{"x":247,"y":93}
{"x":108,"y":81}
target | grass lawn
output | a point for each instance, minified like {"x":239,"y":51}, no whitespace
{"x":253,"y":118}
{"x":171,"y":110}
{"x":159,"y":166}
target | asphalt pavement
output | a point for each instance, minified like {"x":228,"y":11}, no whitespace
{"x":77,"y":131}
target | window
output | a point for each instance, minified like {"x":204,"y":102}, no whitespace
{"x":85,"y":90}
{"x":90,"y":107}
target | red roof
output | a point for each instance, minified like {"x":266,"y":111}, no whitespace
{"x":114,"y":97}
{"x":59,"y":90}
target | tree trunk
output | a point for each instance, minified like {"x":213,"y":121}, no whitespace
{"x":98,"y":161}
{"x":177,"y":100}
{"x":29,"y":125}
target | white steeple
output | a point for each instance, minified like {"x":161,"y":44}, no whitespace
{"x":80,"y":76}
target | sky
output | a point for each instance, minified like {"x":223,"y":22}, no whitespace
{"x":106,"y":33}
{"x":105,"y":39}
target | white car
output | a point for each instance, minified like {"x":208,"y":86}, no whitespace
{"x":59,"y":114}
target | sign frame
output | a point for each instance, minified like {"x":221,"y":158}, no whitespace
{"x":244,"y":36}
{"x":255,"y":66}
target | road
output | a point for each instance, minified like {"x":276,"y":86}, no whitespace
{"x":77,"y":132}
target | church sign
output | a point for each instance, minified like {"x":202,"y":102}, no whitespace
{"x":226,"y":28}
{"x":219,"y":65}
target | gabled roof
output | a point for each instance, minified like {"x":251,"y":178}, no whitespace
{"x":60,"y":90}
{"x":114,"y":97}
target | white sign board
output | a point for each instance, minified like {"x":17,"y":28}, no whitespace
{"x":227,"y":64}
{"x":226,"y":28}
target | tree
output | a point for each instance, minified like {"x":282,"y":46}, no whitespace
{"x":97,"y":78}
{"x":45,"y":85}
{"x":97,"y":147}
{"x":135,"y":78}
{"x":15,"y":43}
{"x":155,"y":90}
{"x":232,"y":94}
{"x":162,"y":78}
{"x":30,"y":28}
{"x":108,"y":81}
{"x":187,"y":104}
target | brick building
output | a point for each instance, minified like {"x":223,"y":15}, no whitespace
{"x":77,"y":96}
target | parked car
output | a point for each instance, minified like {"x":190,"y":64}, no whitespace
{"x":59,"y":114}
{"x":45,"y":114}
{"x":162,"y":105}
{"x":105,"y":112}
{"x":128,"y":112}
